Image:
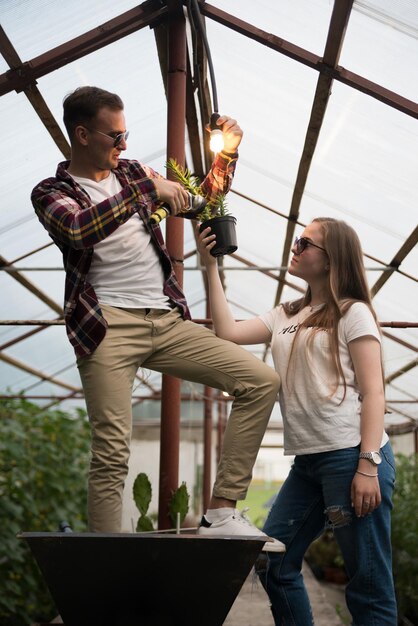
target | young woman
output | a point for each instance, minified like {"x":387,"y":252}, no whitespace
{"x":326,"y":349}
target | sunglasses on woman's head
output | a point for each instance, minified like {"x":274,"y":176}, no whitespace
{"x":301,"y":243}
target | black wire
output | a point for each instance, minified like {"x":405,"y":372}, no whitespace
{"x":198,"y":20}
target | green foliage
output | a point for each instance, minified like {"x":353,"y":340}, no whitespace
{"x":184,"y":176}
{"x":405,"y":536}
{"x":179,"y":503}
{"x":214,"y":208}
{"x":207,"y":213}
{"x":221,"y":204}
{"x":142,"y":492}
{"x":44,"y":457}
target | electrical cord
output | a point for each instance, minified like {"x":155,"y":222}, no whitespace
{"x":196,"y":19}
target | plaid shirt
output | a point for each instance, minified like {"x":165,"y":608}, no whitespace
{"x":76,"y":225}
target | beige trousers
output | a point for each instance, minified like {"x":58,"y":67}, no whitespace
{"x":161,"y":340}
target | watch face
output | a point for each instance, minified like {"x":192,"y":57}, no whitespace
{"x":376,"y":458}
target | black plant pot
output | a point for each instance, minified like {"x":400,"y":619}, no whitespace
{"x":226,"y":237}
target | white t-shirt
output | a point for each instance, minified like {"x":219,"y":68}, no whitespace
{"x":314,"y":420}
{"x":125,"y":270}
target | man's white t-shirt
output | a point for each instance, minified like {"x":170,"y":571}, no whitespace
{"x":125,"y":270}
{"x":314,"y":420}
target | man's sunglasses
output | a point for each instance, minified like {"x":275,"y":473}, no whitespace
{"x":301,"y":243}
{"x":117,"y":139}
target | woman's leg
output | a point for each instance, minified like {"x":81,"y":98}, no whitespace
{"x":296,"y":519}
{"x":366,"y":548}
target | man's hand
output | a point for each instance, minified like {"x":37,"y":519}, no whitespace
{"x":231,"y":131}
{"x":172,"y":193}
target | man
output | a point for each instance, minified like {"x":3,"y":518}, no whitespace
{"x":124,"y":308}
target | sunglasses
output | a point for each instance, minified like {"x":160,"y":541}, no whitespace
{"x":117,"y":139}
{"x":301,"y":243}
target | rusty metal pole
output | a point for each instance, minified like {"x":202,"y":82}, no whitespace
{"x":207,"y":434}
{"x":176,"y":115}
{"x":207,"y":447}
{"x":221,"y":427}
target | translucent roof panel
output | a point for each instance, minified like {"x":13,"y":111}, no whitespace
{"x":287,"y":19}
{"x":363,"y":168}
{"x":60,"y":22}
{"x":381,"y":44}
{"x":270,"y":96}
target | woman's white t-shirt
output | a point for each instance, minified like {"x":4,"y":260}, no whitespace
{"x":125,"y":270}
{"x":314,"y":420}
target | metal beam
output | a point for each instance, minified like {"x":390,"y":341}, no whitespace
{"x":280,"y":214}
{"x":176,"y":126}
{"x":403,"y":370}
{"x":335,"y":72}
{"x":35,"y":372}
{"x":403,"y":343}
{"x":240,"y":258}
{"x":146,"y":14}
{"x":31,"y":287}
{"x":34,"y":96}
{"x":336,"y":32}
{"x":403,"y":251}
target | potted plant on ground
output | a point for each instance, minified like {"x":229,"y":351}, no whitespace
{"x":213,"y":214}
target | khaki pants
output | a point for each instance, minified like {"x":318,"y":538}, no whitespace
{"x":161,"y":340}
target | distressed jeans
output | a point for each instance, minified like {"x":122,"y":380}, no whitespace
{"x":315,"y":496}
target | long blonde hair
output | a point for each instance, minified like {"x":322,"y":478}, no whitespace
{"x":345,"y":285}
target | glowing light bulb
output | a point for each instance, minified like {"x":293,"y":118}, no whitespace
{"x":216,"y":140}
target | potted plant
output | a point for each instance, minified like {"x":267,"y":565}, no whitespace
{"x":213,"y":214}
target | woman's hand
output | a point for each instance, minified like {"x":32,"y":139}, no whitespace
{"x":205,"y":243}
{"x":365,"y":494}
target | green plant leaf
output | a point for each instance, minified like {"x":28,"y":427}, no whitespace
{"x":142,"y":492}
{"x":184,"y":176}
{"x":179,"y":503}
{"x":144,"y":524}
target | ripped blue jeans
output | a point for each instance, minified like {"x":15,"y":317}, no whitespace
{"x":315,"y":496}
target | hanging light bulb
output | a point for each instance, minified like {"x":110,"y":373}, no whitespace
{"x":216,"y":143}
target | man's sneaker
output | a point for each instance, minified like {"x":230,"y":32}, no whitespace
{"x":238,"y":524}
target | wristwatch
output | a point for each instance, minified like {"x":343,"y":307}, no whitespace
{"x":373,"y":457}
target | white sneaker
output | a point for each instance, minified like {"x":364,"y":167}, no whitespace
{"x":238,"y":524}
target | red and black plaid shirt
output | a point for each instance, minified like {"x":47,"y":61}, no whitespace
{"x":75,"y":224}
